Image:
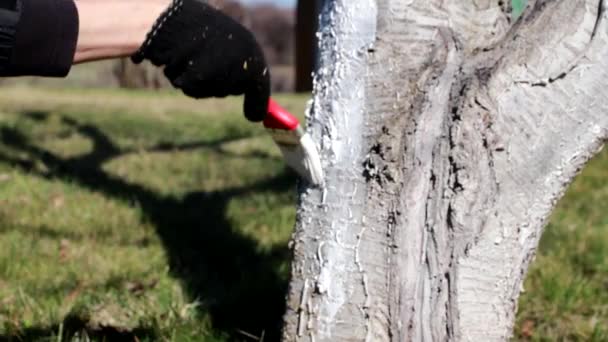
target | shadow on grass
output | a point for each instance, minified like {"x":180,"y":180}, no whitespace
{"x":73,"y":326}
{"x":239,"y":286}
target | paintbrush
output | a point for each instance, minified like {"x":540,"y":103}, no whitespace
{"x":297,"y":146}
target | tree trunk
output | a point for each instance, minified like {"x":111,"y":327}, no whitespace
{"x":448,"y":134}
{"x":306,"y":43}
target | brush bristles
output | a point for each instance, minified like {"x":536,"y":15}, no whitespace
{"x":304,"y":158}
{"x":312,"y":160}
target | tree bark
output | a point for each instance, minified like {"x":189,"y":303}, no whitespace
{"x":448,"y":134}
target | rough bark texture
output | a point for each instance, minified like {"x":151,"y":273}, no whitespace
{"x":448,"y":134}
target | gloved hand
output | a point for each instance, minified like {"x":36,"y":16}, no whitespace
{"x":207,"y":54}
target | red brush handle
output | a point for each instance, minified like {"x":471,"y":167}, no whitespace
{"x":279,"y":118}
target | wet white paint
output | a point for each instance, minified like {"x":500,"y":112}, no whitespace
{"x":336,"y":120}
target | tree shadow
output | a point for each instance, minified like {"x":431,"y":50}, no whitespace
{"x":238,"y":285}
{"x":73,"y":326}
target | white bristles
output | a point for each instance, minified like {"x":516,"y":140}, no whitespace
{"x":312,"y":160}
{"x":303,"y":158}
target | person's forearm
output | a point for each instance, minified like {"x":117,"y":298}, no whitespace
{"x":114,"y":28}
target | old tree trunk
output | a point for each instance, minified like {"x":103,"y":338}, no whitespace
{"x":448,"y":134}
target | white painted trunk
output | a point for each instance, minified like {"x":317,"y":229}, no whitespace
{"x":448,"y":134}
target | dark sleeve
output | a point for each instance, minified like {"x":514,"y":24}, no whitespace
{"x":37,"y":37}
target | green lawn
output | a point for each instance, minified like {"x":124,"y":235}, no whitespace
{"x":148,"y":216}
{"x":566,"y":294}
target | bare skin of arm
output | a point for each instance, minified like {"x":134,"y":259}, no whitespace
{"x":114,"y":28}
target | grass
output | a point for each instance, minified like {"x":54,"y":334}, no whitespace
{"x":566,"y":294}
{"x":140,"y":214}
{"x":147,"y":216}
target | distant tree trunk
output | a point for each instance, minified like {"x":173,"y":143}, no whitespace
{"x":306,"y":26}
{"x":143,"y":76}
{"x":448,"y":134}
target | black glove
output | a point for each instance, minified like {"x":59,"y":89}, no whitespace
{"x":208,"y":54}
